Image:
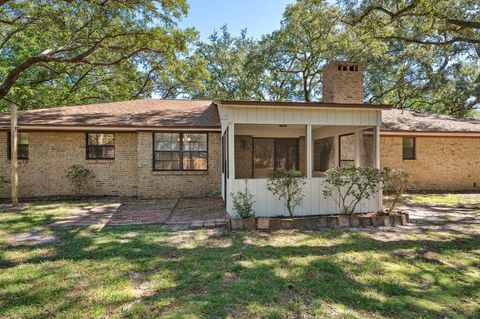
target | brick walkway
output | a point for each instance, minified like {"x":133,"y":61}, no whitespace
{"x":193,"y":213}
{"x":143,"y":213}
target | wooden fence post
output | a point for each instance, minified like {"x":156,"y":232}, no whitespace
{"x":14,"y":155}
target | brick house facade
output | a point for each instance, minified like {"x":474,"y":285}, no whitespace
{"x":128,"y":174}
{"x":446,"y":149}
{"x":441,"y":163}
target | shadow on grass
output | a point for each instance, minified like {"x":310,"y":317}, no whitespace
{"x":214,"y":280}
{"x":245,"y":274}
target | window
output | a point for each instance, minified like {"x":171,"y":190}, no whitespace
{"x":180,"y":151}
{"x":347,"y":150}
{"x":100,"y":146}
{"x":409,"y":148}
{"x":323,"y":154}
{"x":22,"y":146}
{"x":270,"y":154}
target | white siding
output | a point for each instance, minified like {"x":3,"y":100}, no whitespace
{"x":314,"y":116}
{"x":314,"y":203}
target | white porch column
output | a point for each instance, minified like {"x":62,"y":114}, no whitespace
{"x":309,"y":166}
{"x":231,"y":151}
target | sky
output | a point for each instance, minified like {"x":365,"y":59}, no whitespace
{"x":257,"y":16}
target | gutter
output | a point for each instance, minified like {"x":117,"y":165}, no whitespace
{"x":429,"y":133}
{"x":113,"y":128}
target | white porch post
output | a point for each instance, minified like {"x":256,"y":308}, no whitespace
{"x":231,"y":151}
{"x":309,"y":151}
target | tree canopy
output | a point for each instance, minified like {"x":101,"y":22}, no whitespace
{"x":418,"y":54}
{"x":421,"y":55}
{"x":57,"y":53}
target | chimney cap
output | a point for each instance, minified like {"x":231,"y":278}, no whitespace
{"x":336,"y":63}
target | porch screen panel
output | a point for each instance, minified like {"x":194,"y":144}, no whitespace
{"x":347,"y":150}
{"x":286,"y":154}
{"x":323,"y":154}
{"x":367,"y":148}
{"x":263,"y":157}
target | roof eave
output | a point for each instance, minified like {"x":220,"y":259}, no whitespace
{"x":306,"y":105}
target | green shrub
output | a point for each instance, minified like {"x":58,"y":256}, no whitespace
{"x":287,"y":185}
{"x":4,"y":180}
{"x":395,"y":182}
{"x":77,"y":175}
{"x":243,"y":202}
{"x":351,"y":184}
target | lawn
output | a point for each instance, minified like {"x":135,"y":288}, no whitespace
{"x":151,"y":271}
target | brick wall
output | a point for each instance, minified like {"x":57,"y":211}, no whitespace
{"x":442,"y":163}
{"x":178,"y":184}
{"x":343,"y":83}
{"x":50,"y":153}
{"x":129,"y":174}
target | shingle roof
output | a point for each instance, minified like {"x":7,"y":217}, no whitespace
{"x":398,"y":120}
{"x":136,"y":113}
{"x":164,"y":113}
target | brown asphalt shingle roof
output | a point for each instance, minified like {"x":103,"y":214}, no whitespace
{"x":204,"y":114}
{"x":136,"y":113}
{"x":398,"y":120}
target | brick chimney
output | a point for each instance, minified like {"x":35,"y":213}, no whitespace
{"x":343,"y":82}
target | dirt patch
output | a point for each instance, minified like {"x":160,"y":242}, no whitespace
{"x":425,"y":219}
{"x":31,"y":238}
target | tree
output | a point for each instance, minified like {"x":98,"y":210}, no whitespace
{"x":431,"y":57}
{"x":287,"y":185}
{"x":440,"y":22}
{"x":310,"y":35}
{"x":418,"y":54}
{"x":233,"y":65}
{"x":58,"y":52}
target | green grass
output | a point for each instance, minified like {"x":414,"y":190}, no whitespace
{"x":453,"y":200}
{"x":149,"y":271}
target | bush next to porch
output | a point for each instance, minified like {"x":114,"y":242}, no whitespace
{"x":287,"y":185}
{"x":395,"y":182}
{"x":243,"y":202}
{"x":351,"y":184}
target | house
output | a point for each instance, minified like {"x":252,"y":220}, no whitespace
{"x":192,"y":148}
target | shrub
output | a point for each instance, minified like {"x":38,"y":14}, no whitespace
{"x":4,"y":180}
{"x":351,"y":184}
{"x":287,"y":185}
{"x":395,"y":182}
{"x":77,"y":175}
{"x":243,"y":202}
